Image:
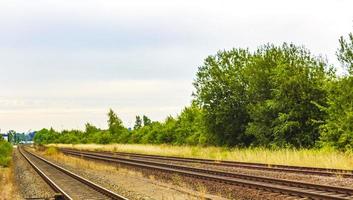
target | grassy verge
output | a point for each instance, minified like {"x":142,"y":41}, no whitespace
{"x":312,"y":158}
{"x":7,"y":183}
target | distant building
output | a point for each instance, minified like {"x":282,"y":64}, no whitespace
{"x":26,"y":142}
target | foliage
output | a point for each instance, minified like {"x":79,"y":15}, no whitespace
{"x":266,"y":98}
{"x":138,"y":123}
{"x":116,"y":129}
{"x":337,"y":132}
{"x":220,"y":90}
{"x":5,"y":153}
{"x":146,"y":121}
{"x":188,"y":128}
{"x":345,"y":52}
{"x":283,"y":106}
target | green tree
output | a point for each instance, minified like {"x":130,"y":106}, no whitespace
{"x":138,"y":123}
{"x":338,"y":129}
{"x":345,"y":52}
{"x":91,"y":129}
{"x":166,"y":133}
{"x":146,"y":121}
{"x":116,"y":128}
{"x":11,"y":135}
{"x":221,"y":92}
{"x":268,"y":97}
{"x":151,"y":133}
{"x":285,"y":85}
{"x":114,"y":123}
{"x":190,"y":127}
{"x":46,"y":136}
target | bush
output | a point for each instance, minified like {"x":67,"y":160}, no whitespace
{"x":5,"y":153}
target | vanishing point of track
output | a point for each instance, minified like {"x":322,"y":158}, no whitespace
{"x":68,"y":185}
{"x":292,"y":188}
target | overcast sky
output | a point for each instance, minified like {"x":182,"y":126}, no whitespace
{"x":64,"y":63}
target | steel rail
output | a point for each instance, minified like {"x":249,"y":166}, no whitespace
{"x":256,"y":166}
{"x":296,"y":188}
{"x":85,"y":181}
{"x":50,"y":182}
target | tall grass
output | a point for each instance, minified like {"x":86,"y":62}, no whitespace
{"x":326,"y":158}
{"x":75,"y":162}
{"x":8,"y":190}
{"x":51,"y":151}
{"x":5,"y":153}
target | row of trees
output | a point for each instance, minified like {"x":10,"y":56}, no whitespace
{"x":16,"y":138}
{"x":187,"y":128}
{"x":277,"y":96}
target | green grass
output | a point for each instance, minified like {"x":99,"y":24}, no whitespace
{"x":326,"y":158}
{"x":5,"y":153}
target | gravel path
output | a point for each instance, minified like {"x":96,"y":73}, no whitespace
{"x":29,"y":183}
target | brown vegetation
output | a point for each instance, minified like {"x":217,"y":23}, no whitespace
{"x":8,"y":189}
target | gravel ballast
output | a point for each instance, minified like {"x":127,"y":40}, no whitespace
{"x":29,"y":183}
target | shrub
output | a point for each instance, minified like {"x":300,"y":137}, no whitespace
{"x":5,"y":153}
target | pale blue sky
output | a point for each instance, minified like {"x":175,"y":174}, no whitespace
{"x":64,"y":63}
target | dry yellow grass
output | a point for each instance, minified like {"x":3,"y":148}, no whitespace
{"x":8,"y":189}
{"x":325,"y":158}
{"x":82,"y":163}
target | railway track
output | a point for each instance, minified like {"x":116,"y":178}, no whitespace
{"x":247,"y":165}
{"x":292,"y":188}
{"x":68,"y":185}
